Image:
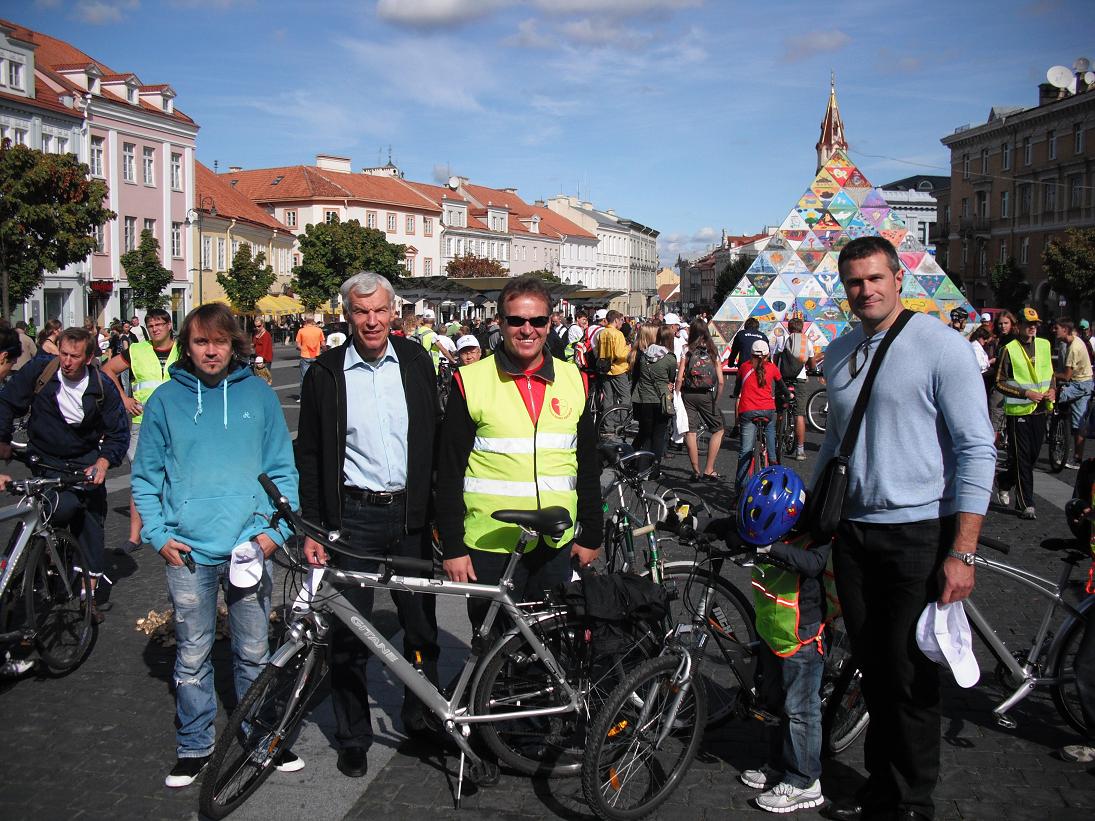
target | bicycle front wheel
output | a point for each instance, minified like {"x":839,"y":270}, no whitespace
{"x":730,"y":656}
{"x":817,"y":410}
{"x":1058,"y":442}
{"x":58,"y":596}
{"x":643,"y":742}
{"x":515,"y":678}
{"x":617,"y":424}
{"x":845,"y":714}
{"x":261,"y":727}
{"x":1063,"y":668}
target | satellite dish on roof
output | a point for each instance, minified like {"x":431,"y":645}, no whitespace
{"x":1089,"y":77}
{"x":1081,"y":65}
{"x":1060,"y":76}
{"x":454,"y":182}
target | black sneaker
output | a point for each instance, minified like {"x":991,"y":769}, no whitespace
{"x":185,"y":771}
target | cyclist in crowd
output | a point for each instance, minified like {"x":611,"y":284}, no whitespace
{"x":1024,"y":377}
{"x":1075,"y":379}
{"x":680,"y":413}
{"x":654,"y":370}
{"x":207,"y":433}
{"x":468,"y":350}
{"x":959,"y":317}
{"x":799,"y":355}
{"x":427,"y":337}
{"x":75,"y":417}
{"x":699,"y":379}
{"x":148,"y":364}
{"x":919,"y":481}
{"x":793,"y":603}
{"x":741,"y":348}
{"x":613,"y":350}
{"x":519,"y":394}
{"x":360,"y":474}
{"x":761,"y":384}
{"x":1078,"y":511}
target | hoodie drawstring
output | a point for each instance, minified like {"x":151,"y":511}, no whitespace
{"x":199,"y":413}
{"x":225,"y":384}
{"x":224,"y":388}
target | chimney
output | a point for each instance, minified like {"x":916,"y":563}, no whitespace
{"x":233,"y":169}
{"x":330,"y":162}
{"x":1048,"y":93}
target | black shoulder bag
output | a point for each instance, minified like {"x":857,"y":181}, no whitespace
{"x":827,"y":504}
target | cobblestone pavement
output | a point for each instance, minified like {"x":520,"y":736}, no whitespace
{"x":97,"y":743}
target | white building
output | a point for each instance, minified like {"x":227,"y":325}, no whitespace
{"x":914,"y":199}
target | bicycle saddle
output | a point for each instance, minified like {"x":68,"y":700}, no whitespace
{"x":549,"y":521}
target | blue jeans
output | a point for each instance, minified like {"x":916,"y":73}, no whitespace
{"x":791,"y":689}
{"x":194,"y":596}
{"x":305,"y":364}
{"x":1080,"y":392}
{"x":749,"y":436}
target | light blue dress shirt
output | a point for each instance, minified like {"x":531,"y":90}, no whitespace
{"x":376,"y":422}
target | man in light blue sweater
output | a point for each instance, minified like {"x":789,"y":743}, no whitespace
{"x":919,"y":483}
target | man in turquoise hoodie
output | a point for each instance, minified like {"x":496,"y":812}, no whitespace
{"x":206,"y":436}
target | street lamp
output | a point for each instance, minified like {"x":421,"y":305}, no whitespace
{"x":192,"y":216}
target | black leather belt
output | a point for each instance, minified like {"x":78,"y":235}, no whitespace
{"x":373,"y":497}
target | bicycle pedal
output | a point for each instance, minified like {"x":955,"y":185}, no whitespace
{"x":484,"y":773}
{"x":1006,"y":721}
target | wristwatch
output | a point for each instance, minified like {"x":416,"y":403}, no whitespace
{"x":966,"y":557}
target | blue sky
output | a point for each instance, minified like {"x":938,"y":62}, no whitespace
{"x":691,"y":116}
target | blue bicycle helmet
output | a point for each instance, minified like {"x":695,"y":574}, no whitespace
{"x":770,"y":505}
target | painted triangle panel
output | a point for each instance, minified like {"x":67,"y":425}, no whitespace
{"x":796,"y":275}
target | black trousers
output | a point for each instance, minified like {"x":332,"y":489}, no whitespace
{"x":540,"y":569}
{"x":653,"y":425}
{"x":378,"y":530}
{"x":1025,"y":437}
{"x":885,"y":576}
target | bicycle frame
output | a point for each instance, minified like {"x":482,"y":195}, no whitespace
{"x":1026,"y":673}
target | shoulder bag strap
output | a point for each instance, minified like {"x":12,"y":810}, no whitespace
{"x":851,"y":433}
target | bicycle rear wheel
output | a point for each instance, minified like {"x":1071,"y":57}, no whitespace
{"x":260,"y":728}
{"x":1063,"y":668}
{"x":729,"y":658}
{"x":58,"y":597}
{"x":844,"y":715}
{"x":817,"y":410}
{"x":515,"y":678}
{"x":617,"y":423}
{"x":785,"y":437}
{"x":628,"y":769}
{"x":1058,"y":442}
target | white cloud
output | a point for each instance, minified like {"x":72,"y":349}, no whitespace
{"x":100,"y":12}
{"x":601,"y":32}
{"x":617,"y":8}
{"x":689,"y":246}
{"x":530,"y":35}
{"x":436,"y":13}
{"x":336,"y":121}
{"x":555,"y":106}
{"x":804,"y":46}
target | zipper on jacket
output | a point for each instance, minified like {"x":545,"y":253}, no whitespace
{"x":535,"y":429}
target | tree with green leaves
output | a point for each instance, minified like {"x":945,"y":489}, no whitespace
{"x":545,"y":275}
{"x":470,"y":265}
{"x":1069,"y":263}
{"x":1009,"y":286}
{"x":147,"y":277}
{"x":248,"y":280}
{"x":332,"y":252}
{"x":49,"y":210}
{"x":730,"y":276}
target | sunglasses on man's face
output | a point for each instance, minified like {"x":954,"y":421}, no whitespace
{"x":534,"y":321}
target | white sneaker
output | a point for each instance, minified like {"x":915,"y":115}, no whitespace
{"x":1073,"y":465}
{"x":785,"y":798}
{"x":1078,"y":752}
{"x":1004,"y":497}
{"x":800,"y":456}
{"x":13,"y":668}
{"x":288,"y":762}
{"x":763,"y":779}
{"x":1028,"y":513}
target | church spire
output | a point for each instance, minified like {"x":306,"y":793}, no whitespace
{"x":832,"y":128}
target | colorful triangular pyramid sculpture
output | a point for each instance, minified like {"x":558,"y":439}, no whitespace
{"x":797,"y":273}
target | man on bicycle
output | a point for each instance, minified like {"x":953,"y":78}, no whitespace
{"x":795,"y":357}
{"x":76,"y":418}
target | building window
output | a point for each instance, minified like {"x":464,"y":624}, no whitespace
{"x":291,"y":218}
{"x":1005,"y":203}
{"x":150,"y":226}
{"x":427,"y":226}
{"x":1003,"y":251}
{"x":207,"y":253}
{"x":984,"y":161}
{"x":370,"y":219}
{"x":1005,"y":156}
{"x":131,"y":95}
{"x":62,"y":145}
{"x":130,"y":233}
{"x":222,"y":250}
{"x":448,"y":247}
{"x":1075,"y":192}
{"x":1051,"y":145}
{"x":410,"y":223}
{"x":983,"y":204}
{"x":176,"y":171}
{"x":15,"y":74}
{"x":330,"y":216}
{"x":1051,"y":197}
{"x":408,"y":263}
{"x":1078,"y":146}
{"x":1024,"y":250}
{"x":96,"y":156}
{"x":965,"y":166}
{"x":1028,"y":152}
{"x":965,"y":252}
{"x":391,"y":223}
{"x":149,"y":168}
{"x":427,"y":267}
{"x":235,"y":250}
{"x":129,"y":163}
{"x":1026,"y":195}
{"x":100,"y":239}
{"x":176,"y":240}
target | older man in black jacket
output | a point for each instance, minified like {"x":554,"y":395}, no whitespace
{"x":359,"y":474}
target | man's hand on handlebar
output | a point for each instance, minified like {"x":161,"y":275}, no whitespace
{"x":585,"y":555}
{"x":460,"y":569}
{"x":5,"y":480}
{"x":96,"y":474}
{"x":314,"y":552}
{"x":173,"y":551}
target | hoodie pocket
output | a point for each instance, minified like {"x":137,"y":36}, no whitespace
{"x":216,"y":518}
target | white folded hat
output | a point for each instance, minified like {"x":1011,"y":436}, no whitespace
{"x":943,"y":635}
{"x":672,"y":319}
{"x":466,"y":341}
{"x":600,"y":314}
{"x":445,"y":342}
{"x":429,"y":314}
{"x":245,"y":565}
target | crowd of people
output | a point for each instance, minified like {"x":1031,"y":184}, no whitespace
{"x":518,"y":432}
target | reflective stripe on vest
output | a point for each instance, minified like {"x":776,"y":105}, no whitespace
{"x":1027,"y":375}
{"x":776,"y":604}
{"x":147,"y":372}
{"x":515,"y":464}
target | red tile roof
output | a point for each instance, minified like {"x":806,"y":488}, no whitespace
{"x":48,"y":101}
{"x":306,"y":182}
{"x":744,"y":239}
{"x":560,"y":224}
{"x":229,"y":202}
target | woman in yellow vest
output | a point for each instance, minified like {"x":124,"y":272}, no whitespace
{"x":793,"y":598}
{"x":1024,"y":377}
{"x":517,"y":435}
